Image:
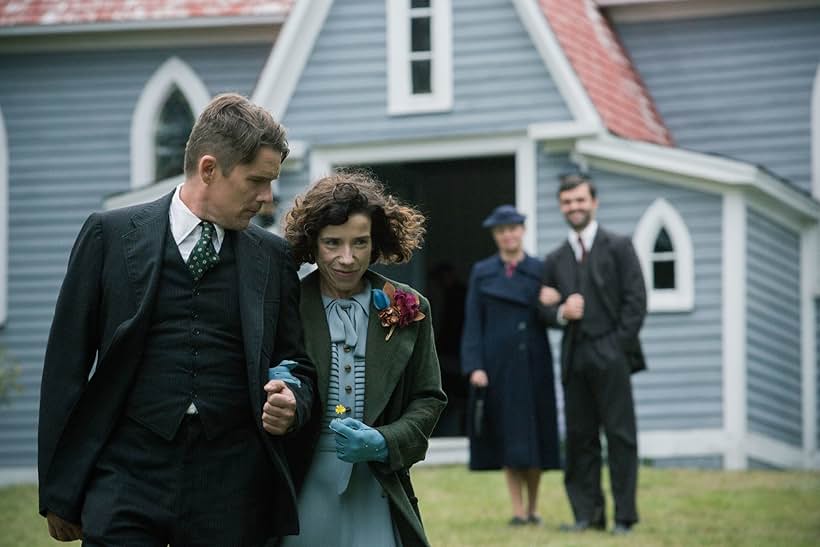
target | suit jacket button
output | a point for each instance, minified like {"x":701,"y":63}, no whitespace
{"x":522,"y":325}
{"x":522,"y":346}
{"x":346,"y":348}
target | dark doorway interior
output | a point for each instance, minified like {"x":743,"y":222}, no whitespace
{"x":455,"y":195}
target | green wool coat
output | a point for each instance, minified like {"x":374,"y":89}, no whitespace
{"x":403,"y":398}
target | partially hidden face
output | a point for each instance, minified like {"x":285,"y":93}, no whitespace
{"x":343,"y":255}
{"x":578,"y":206}
{"x":235,"y":198}
{"x":508,"y":237}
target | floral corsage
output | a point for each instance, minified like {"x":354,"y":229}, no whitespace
{"x":341,"y":410}
{"x":397,"y":308}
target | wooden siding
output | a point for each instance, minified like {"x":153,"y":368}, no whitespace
{"x":68,"y":119}
{"x":817,"y":372}
{"x":774,"y":405}
{"x":499,"y":84}
{"x":735,"y":85}
{"x":682,"y":388}
{"x":713,"y":461}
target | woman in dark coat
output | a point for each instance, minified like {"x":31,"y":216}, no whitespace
{"x":378,"y":377}
{"x":506,"y":354}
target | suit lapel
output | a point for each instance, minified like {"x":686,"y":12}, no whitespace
{"x":385,"y":360}
{"x":143,"y":250}
{"x":252,"y":273}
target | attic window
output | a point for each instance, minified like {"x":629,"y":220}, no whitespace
{"x":176,"y":119}
{"x":419,"y":59}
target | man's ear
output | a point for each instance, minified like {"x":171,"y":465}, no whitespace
{"x":207,"y":168}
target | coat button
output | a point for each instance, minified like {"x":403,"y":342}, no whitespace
{"x":522,"y":325}
{"x":522,"y":346}
{"x":348,"y":368}
{"x":346,"y":348}
{"x":348,"y":389}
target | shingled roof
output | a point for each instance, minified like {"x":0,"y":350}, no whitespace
{"x":605,"y":70}
{"x":71,"y":12}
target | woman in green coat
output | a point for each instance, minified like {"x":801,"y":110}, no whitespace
{"x":378,"y":374}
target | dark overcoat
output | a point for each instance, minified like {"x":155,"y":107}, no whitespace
{"x":403,"y":398}
{"x":101,"y":319}
{"x":504,"y":336}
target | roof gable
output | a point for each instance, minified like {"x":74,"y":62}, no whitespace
{"x":605,"y":71}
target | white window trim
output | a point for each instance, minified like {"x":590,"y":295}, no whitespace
{"x":400,"y":99}
{"x":173,"y":72}
{"x":661,"y":214}
{"x":815,"y":136}
{"x":4,"y":221}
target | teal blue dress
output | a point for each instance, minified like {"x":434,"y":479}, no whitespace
{"x":343,"y":504}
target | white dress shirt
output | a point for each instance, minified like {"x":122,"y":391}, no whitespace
{"x":587,"y":235}
{"x":186,"y":231}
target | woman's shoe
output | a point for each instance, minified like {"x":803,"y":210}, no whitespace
{"x":517,"y":521}
{"x":535,"y":520}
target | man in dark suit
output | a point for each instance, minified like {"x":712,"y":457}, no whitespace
{"x":158,"y":424}
{"x":594,"y":290}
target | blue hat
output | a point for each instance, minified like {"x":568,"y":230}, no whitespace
{"x":503,"y":214}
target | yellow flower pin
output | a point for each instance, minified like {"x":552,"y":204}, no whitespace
{"x":341,"y":409}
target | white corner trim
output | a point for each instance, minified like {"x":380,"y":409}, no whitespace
{"x":4,"y":221}
{"x":809,"y":245}
{"x":143,"y":194}
{"x":733,"y":312}
{"x":697,"y":166}
{"x":173,"y":72}
{"x":296,"y":156}
{"x":815,"y":136}
{"x":772,"y":451}
{"x":400,"y":97}
{"x":526,"y":192}
{"x":661,"y":214}
{"x":559,"y":67}
{"x":289,"y":55}
{"x":551,"y":131}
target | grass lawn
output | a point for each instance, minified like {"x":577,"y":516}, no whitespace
{"x":678,"y":507}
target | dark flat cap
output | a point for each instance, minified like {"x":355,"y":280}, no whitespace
{"x":503,"y":214}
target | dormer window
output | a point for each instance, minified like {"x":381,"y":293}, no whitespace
{"x":419,"y":60}
{"x":176,"y":119}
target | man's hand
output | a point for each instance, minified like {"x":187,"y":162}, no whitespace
{"x":549,"y":296}
{"x":279,"y":412}
{"x":62,"y":530}
{"x":479,"y":378}
{"x":573,"y":309}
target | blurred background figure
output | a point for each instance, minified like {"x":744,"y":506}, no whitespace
{"x":506,"y":353}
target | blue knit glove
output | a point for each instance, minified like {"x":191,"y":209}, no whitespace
{"x":357,"y":442}
{"x":282,"y":372}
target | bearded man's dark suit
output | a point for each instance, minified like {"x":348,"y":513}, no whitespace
{"x":104,"y":316}
{"x":598,"y":353}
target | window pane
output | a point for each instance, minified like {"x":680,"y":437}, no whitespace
{"x":663,"y":274}
{"x":420,"y":4}
{"x":421,"y":77}
{"x":420,"y":34}
{"x":175,"y":123}
{"x":663,"y":244}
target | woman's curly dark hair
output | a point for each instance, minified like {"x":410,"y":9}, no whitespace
{"x":396,"y":229}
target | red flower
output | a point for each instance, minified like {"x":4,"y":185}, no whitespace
{"x":403,"y":309}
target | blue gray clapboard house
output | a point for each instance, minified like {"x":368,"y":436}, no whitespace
{"x":459,"y":105}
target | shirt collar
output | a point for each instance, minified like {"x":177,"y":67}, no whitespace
{"x":184,"y":221}
{"x":587,"y":235}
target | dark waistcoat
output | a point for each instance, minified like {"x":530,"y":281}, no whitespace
{"x":596,"y":321}
{"x":193,"y":350}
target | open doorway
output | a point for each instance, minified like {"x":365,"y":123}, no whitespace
{"x":455,"y":195}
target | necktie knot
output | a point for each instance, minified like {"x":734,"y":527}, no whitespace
{"x":203,"y":256}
